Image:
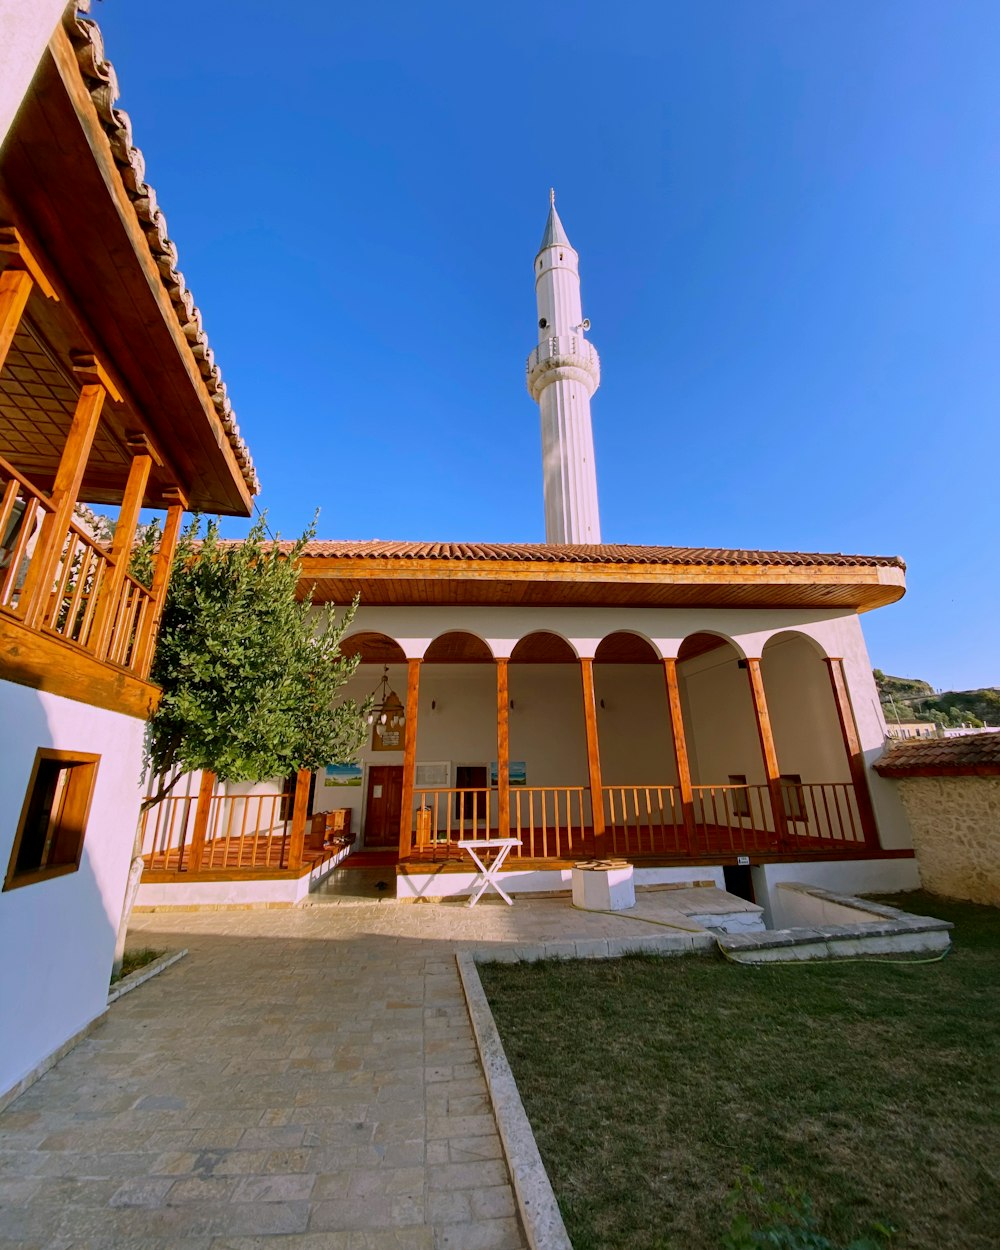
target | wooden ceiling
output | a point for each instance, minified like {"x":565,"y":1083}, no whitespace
{"x":373,"y":649}
{"x":458,"y":648}
{"x":543,"y":648}
{"x":528,"y":583}
{"x":62,"y":190}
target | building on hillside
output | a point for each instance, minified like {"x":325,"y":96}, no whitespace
{"x":911,"y":729}
{"x":706,"y":713}
{"x":109,"y":395}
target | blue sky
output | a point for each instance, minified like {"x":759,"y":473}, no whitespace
{"x":787,"y":216}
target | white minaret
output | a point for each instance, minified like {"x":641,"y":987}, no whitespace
{"x":563,"y":373}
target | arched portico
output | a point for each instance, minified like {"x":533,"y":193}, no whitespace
{"x":712,"y":752}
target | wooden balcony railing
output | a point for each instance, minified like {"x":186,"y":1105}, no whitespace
{"x":553,"y":822}
{"x":556,"y":822}
{"x":86,"y":604}
{"x":644,"y":820}
{"x":445,"y":816}
{"x":240,"y":832}
{"x":818,"y":817}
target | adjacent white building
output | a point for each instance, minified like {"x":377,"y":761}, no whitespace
{"x":109,"y":394}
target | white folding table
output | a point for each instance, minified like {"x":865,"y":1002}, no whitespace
{"x":488,"y":873}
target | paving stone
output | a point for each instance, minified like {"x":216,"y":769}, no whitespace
{"x":306,"y":1079}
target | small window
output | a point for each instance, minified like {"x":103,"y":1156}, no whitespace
{"x":793,"y":796}
{"x":50,"y":833}
{"x":741,"y":798}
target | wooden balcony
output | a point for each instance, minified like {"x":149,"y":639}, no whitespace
{"x":644,"y":822}
{"x":72,"y":617}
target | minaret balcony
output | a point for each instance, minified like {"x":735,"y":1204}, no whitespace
{"x":563,"y":357}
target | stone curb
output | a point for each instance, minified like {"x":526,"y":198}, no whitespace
{"x":141,"y":975}
{"x":540,"y":1215}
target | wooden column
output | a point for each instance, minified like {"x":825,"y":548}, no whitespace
{"x":503,"y":751}
{"x":409,"y":759}
{"x":146,"y":645}
{"x":66,"y":487}
{"x":593,"y":755}
{"x":680,"y":749}
{"x":196,"y":851}
{"x":855,"y":756}
{"x":297,"y":838}
{"x":767,"y":748}
{"x":16,"y":284}
{"x":121,"y":551}
{"x":15,"y":287}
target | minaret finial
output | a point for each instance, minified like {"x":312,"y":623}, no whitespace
{"x":552,"y":197}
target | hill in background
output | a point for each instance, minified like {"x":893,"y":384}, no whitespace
{"x":909,"y":699}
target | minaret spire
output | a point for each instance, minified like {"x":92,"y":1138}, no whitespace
{"x":563,"y":373}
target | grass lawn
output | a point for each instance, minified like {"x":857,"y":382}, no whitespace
{"x":133,"y":960}
{"x":652,"y":1084}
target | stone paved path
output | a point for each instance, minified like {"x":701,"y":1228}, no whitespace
{"x":302,"y":1080}
{"x":306,"y":1079}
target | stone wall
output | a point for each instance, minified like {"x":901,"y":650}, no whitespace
{"x":956,"y":834}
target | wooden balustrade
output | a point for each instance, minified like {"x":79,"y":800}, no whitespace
{"x":556,"y":822}
{"x":241,"y":832}
{"x":445,"y":816}
{"x":644,"y":820}
{"x":552,"y":822}
{"x":81,"y":582}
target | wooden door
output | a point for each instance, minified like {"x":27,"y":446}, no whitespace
{"x":384,"y":804}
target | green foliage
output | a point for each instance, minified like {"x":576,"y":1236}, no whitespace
{"x":250,"y":676}
{"x":908,"y":699}
{"x":786,"y":1223}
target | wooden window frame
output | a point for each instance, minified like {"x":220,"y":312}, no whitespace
{"x":71,"y":821}
{"x":741,"y":798}
{"x":793,"y":797}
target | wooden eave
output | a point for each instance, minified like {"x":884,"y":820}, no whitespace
{"x":61,"y":188}
{"x":515,"y":583}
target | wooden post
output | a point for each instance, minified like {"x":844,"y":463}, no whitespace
{"x":66,"y":487}
{"x":768,"y":751}
{"x":409,"y":759}
{"x":146,"y":645}
{"x":680,"y":749}
{"x":297,"y":840}
{"x":121,"y":550}
{"x":16,"y":283}
{"x":855,"y":756}
{"x":503,"y":751}
{"x":593,"y":755}
{"x":201,"y":813}
{"x":15,"y":287}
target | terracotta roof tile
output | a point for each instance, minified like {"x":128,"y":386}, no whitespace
{"x":102,"y":84}
{"x":971,"y":754}
{"x":603,"y":553}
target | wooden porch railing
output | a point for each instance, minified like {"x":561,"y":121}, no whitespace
{"x":553,"y":822}
{"x":445,"y":816}
{"x":239,"y":832}
{"x":77,"y":606}
{"x":644,"y":820}
{"x":819,"y":817}
{"x":227,"y":832}
{"x":556,"y":822}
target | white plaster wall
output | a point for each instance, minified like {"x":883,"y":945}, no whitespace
{"x":719,"y":723}
{"x":854,"y":876}
{"x":26,"y":26}
{"x":547,"y":723}
{"x":803,"y":713}
{"x":59,"y":935}
{"x":798,"y":908}
{"x":634,"y":725}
